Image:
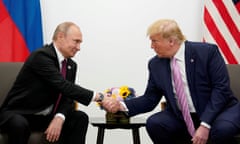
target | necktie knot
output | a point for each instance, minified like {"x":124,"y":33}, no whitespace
{"x":174,"y":61}
{"x":64,"y":61}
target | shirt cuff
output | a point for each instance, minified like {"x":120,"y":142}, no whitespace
{"x":61,"y":116}
{"x":124,"y":106}
{"x":205,"y":125}
{"x":94,"y":96}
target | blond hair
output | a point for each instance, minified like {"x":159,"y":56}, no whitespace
{"x":167,"y":28}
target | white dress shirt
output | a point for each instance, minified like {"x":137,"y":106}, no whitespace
{"x":180,"y":57}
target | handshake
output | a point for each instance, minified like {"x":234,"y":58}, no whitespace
{"x":108,"y":103}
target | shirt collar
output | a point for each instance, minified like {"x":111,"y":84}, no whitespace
{"x":59,"y":55}
{"x":180,"y":53}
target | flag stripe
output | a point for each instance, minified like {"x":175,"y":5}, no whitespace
{"x":26,"y":14}
{"x":232,"y":9}
{"x":228,"y":20}
{"x":13,"y":46}
{"x":208,"y":36}
{"x":238,"y":7}
{"x":21,"y":29}
{"x":211,"y":25}
{"x":221,"y":26}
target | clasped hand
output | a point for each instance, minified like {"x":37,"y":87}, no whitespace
{"x":110,"y":104}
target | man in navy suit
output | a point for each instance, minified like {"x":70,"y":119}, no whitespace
{"x":213,"y":108}
{"x":31,"y":102}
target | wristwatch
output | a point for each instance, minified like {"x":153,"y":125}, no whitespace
{"x":100,"y":98}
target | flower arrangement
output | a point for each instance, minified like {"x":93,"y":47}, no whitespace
{"x":121,"y":93}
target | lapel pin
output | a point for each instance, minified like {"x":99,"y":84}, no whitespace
{"x":69,"y":67}
{"x":192,"y":60}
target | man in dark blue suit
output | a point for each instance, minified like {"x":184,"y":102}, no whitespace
{"x":213,"y":108}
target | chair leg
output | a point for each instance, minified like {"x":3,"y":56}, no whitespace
{"x":136,"y":137}
{"x":100,"y":136}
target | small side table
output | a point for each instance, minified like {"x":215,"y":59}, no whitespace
{"x":134,"y":124}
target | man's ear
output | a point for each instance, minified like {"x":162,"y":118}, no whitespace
{"x":172,"y":41}
{"x":60,"y":35}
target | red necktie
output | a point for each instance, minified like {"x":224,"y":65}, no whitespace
{"x":181,"y":95}
{"x":63,"y":71}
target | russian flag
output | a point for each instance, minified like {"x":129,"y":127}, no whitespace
{"x":20,"y":29}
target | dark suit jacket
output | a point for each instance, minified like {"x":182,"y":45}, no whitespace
{"x":39,"y":83}
{"x":208,"y":83}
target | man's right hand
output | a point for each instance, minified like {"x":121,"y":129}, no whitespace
{"x":111,"y":105}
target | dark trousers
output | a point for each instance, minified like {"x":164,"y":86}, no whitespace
{"x":19,"y":127}
{"x":165,"y":128}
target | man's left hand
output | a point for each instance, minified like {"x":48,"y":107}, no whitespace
{"x":201,"y":135}
{"x":54,"y":129}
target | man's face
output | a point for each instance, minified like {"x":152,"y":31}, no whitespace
{"x":162,"y":46}
{"x":70,"y":42}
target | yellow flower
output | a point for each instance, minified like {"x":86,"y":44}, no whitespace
{"x":114,"y":96}
{"x":107,"y":91}
{"x":119,"y":93}
{"x":124,"y":92}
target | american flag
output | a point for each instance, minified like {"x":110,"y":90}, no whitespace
{"x":221,"y":25}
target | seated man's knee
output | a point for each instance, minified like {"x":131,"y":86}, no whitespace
{"x":157,"y":129}
{"x":79,"y":118}
{"x":154,"y":125}
{"x":223,"y":130}
{"x":83,"y":117}
{"x":18,"y":123}
{"x":17,"y":128}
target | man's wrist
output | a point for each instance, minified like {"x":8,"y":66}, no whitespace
{"x":123,"y":106}
{"x":205,"y":125}
{"x":61,"y":116}
{"x":100,"y":97}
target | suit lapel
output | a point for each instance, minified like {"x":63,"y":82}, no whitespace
{"x":71,"y":70}
{"x":190,"y":64}
{"x":52,"y":53}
